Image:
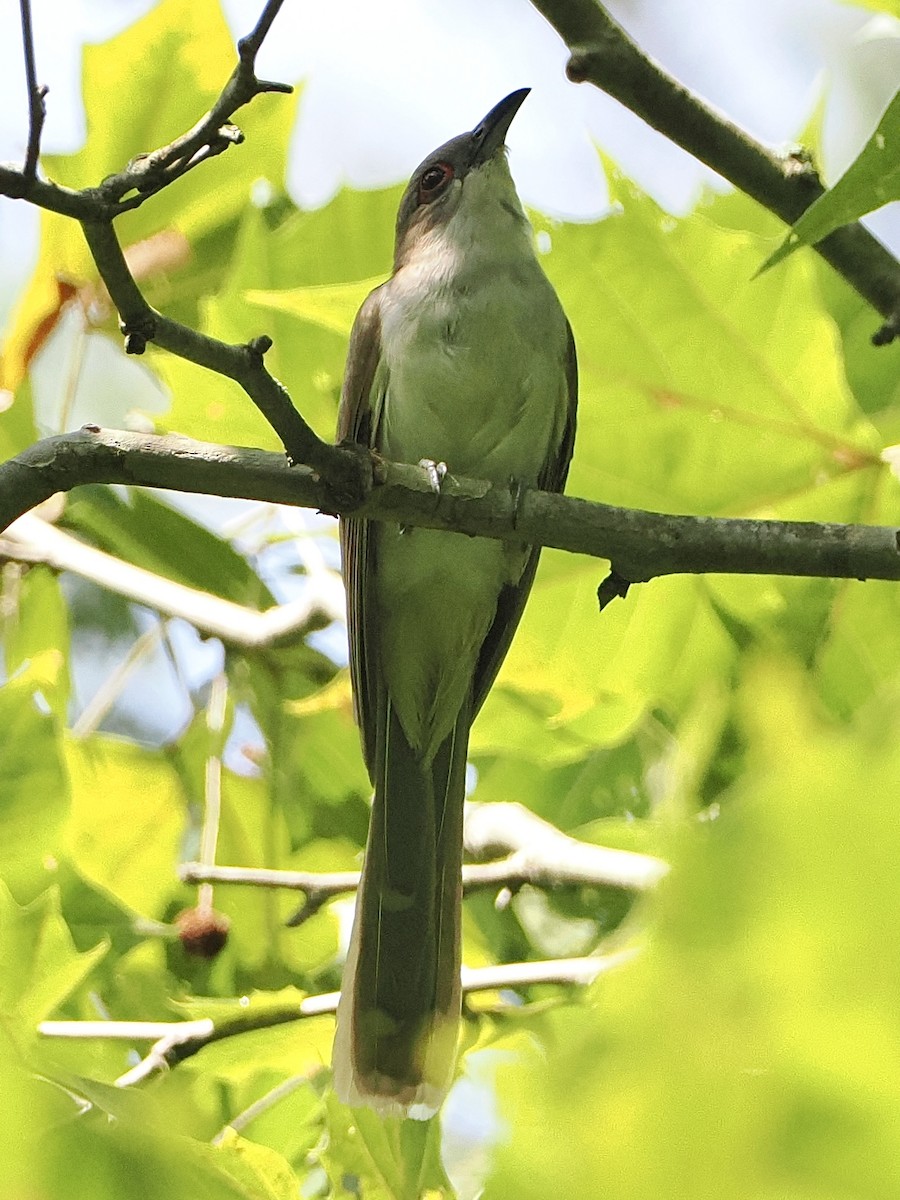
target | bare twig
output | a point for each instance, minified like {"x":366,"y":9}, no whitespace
{"x":326,"y":884}
{"x":536,"y":853}
{"x":640,"y":545}
{"x":178,"y":1040}
{"x":212,"y":791}
{"x":266,"y":1102}
{"x":36,"y":107}
{"x":602,"y":53}
{"x":97,"y":207}
{"x":148,"y":173}
{"x":248,"y":47}
{"x":244,"y":363}
{"x":542,"y":855}
{"x":31,"y":539}
{"x":91,"y":716}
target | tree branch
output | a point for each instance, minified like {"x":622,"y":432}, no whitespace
{"x":603,"y":54}
{"x":244,"y":364}
{"x":179,"y":1040}
{"x":147,"y":173}
{"x":540,"y":854}
{"x":36,"y":108}
{"x":31,"y":539}
{"x":640,"y":545}
{"x":97,"y":207}
{"x":536,"y":853}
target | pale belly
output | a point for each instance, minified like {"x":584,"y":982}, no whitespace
{"x":491,"y":408}
{"x":477,"y":382}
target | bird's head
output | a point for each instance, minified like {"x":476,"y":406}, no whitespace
{"x":464,"y":183}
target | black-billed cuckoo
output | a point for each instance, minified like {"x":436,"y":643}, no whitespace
{"x":463,"y":357}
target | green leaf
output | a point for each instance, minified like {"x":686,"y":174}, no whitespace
{"x":763,"y":1001}
{"x":34,"y":785}
{"x":39,"y":623}
{"x":262,"y":1171}
{"x":332,"y":306}
{"x":92,"y":914}
{"x":150,"y":533}
{"x":132,"y":1163}
{"x":127,"y":820}
{"x":39,"y":965}
{"x":334,"y":248}
{"x":871,"y":181}
{"x":886,"y":6}
{"x":383,"y":1158}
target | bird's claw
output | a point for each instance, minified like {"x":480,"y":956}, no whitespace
{"x":436,"y":472}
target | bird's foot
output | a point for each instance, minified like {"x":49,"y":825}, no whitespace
{"x":436,"y":472}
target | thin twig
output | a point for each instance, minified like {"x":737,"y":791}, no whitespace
{"x":248,"y":47}
{"x":641,"y":545}
{"x":178,"y":1040}
{"x":91,"y":716}
{"x":243,"y":363}
{"x":535,"y":851}
{"x":212,"y":791}
{"x":212,"y":134}
{"x":31,"y":539}
{"x":96,"y":209}
{"x":266,"y":1102}
{"x":37,"y":110}
{"x":602,"y":53}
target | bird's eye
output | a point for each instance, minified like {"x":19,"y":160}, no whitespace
{"x":433,"y":182}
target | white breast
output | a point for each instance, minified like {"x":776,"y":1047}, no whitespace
{"x":474,"y":340}
{"x":474,"y":344}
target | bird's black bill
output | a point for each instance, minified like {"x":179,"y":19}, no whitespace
{"x":489,"y":135}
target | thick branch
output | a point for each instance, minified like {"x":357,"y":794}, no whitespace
{"x":179,"y":1040}
{"x":640,"y":545}
{"x":602,"y":53}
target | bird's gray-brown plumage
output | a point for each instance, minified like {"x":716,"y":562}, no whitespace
{"x":463,"y":356}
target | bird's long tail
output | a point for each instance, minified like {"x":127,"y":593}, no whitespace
{"x":398,"y":1017}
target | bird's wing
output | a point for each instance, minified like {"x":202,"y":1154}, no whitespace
{"x":512,"y":599}
{"x":360,"y":409}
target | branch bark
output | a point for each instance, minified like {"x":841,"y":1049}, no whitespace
{"x":640,"y":545}
{"x":535,"y":852}
{"x":602,"y":53}
{"x":178,"y":1040}
{"x":36,"y":109}
{"x":147,"y":173}
{"x":97,"y":207}
{"x":33,"y":540}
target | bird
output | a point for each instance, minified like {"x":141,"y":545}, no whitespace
{"x":463,"y":360}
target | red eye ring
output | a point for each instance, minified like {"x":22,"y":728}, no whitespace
{"x":434,"y":179}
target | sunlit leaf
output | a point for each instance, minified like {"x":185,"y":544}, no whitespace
{"x":263,"y":1173}
{"x":34,"y":784}
{"x":127,"y":819}
{"x":871,"y":181}
{"x":760,"y":1007}
{"x":332,"y":307}
{"x":39,"y":965}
